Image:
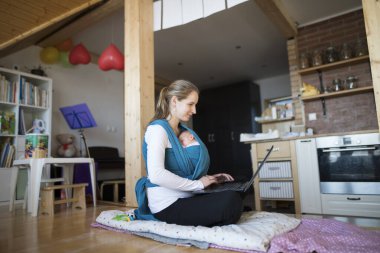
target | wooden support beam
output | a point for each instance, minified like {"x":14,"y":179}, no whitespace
{"x":371,"y":10}
{"x":275,"y":11}
{"x":82,"y":23}
{"x":138,"y":87}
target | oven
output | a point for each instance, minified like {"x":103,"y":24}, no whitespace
{"x":349,"y":164}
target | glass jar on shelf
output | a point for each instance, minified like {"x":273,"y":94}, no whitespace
{"x":361,"y":48}
{"x":304,"y":61}
{"x":351,"y":82}
{"x":331,"y":54}
{"x":317,"y":58}
{"x":345,"y":52}
{"x":337,"y":85}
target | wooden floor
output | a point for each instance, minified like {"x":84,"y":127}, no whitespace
{"x":71,"y":231}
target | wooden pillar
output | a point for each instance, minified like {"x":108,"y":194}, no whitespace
{"x":138,"y":87}
{"x":371,"y":10}
{"x":295,"y":80}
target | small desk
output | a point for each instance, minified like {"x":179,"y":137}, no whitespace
{"x":34,"y":177}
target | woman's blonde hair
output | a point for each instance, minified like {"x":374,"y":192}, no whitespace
{"x":179,"y":88}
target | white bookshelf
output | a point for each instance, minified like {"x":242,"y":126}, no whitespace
{"x":33,"y":95}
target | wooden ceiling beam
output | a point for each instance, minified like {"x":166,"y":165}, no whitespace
{"x":82,"y":23}
{"x":275,"y":11}
{"x":44,"y":25}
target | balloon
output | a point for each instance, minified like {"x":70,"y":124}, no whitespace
{"x":111,"y":58}
{"x":64,"y":60}
{"x":79,"y":55}
{"x":49,"y":55}
{"x":65,"y":45}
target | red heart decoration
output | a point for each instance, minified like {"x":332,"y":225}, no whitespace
{"x":111,"y":58}
{"x":79,"y":55}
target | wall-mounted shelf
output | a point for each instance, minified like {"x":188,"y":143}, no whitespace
{"x":274,"y":120}
{"x":334,"y":65}
{"x":339,"y":93}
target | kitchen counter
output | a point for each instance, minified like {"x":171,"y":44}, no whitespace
{"x":315,"y":136}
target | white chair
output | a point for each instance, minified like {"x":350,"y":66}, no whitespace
{"x":45,"y":181}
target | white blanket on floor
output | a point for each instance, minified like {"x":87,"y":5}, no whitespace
{"x":253,"y":231}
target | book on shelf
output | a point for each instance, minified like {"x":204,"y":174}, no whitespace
{"x":31,"y":94}
{"x":8,"y":120}
{"x":8,"y":152}
{"x":7,"y":90}
{"x":21,"y":123}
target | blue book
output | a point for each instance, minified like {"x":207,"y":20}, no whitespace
{"x":4,"y":154}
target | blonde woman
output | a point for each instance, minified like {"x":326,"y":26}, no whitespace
{"x":166,"y":193}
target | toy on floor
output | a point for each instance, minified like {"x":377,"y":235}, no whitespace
{"x":127,"y":216}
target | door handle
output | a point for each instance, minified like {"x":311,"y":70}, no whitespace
{"x":346,"y":149}
{"x":353,"y":198}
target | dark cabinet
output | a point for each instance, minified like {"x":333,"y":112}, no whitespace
{"x":222,"y":115}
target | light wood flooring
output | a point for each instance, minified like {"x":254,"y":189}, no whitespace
{"x":70,"y":231}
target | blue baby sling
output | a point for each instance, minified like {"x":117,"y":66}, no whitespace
{"x":192,"y":163}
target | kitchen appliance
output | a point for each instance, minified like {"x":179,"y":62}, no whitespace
{"x":349,"y":164}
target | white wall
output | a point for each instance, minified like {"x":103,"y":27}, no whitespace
{"x":274,"y":87}
{"x":102,"y":91}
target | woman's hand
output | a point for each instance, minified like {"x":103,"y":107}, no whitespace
{"x":216,"y":178}
{"x":208,"y":180}
{"x":223,"y":177}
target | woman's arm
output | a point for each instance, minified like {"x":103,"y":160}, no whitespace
{"x":158,"y":141}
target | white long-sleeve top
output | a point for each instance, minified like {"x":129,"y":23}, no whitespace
{"x":170,"y":186}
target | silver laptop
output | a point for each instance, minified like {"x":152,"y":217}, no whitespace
{"x":234,"y":186}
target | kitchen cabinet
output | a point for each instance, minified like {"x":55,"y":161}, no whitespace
{"x":308,"y":176}
{"x":278,"y":178}
{"x":222,"y":115}
{"x":351,"y":205}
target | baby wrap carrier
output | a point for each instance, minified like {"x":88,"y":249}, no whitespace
{"x":192,"y":163}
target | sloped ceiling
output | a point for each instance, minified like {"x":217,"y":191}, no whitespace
{"x":26,"y":22}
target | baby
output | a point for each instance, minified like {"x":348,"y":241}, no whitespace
{"x":187,"y":139}
{"x":191,"y":145}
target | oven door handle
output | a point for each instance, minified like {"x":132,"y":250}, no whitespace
{"x":347,"y":149}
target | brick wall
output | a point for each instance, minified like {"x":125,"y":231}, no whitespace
{"x":343,"y":114}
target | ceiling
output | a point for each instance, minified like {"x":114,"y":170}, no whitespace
{"x":25,"y":22}
{"x":240,"y":43}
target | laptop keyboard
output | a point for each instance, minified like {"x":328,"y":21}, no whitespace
{"x":228,"y":186}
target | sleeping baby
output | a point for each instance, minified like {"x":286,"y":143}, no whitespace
{"x":191,"y":145}
{"x":187,"y":139}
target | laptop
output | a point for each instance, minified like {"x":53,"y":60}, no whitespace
{"x":234,"y":186}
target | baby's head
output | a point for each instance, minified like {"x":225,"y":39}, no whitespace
{"x":186,"y":138}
